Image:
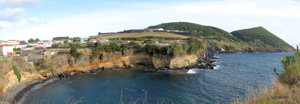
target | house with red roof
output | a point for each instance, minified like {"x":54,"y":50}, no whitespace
{"x":6,"y":49}
{"x":104,"y":40}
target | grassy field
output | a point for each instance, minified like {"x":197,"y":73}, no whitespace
{"x":144,"y":34}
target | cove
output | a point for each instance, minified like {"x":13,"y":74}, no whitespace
{"x":236,"y":74}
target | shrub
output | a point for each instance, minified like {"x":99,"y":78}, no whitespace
{"x":292,"y":70}
{"x":74,"y":52}
{"x":114,"y":47}
{"x":125,"y":47}
{"x":172,"y":50}
{"x":195,"y":45}
{"x":17,"y":49}
{"x":17,"y":73}
{"x":152,"y":49}
{"x":134,"y":45}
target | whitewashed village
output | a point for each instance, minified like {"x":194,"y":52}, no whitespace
{"x":10,"y":48}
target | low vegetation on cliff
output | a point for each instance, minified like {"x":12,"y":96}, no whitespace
{"x":286,"y":88}
{"x":175,"y":49}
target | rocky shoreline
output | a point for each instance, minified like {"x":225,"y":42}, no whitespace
{"x":205,"y":62}
{"x":18,"y":99}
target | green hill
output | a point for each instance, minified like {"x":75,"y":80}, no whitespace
{"x":208,"y":32}
{"x":260,"y":35}
{"x":248,"y":40}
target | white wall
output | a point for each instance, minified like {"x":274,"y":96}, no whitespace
{"x":5,"y":49}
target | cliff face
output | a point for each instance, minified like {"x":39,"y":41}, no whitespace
{"x":9,"y":84}
{"x":60,"y":64}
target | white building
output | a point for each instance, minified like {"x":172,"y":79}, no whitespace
{"x":59,"y":42}
{"x":156,"y":30}
{"x":4,"y":49}
{"x":104,"y":40}
{"x":47,"y":43}
{"x":83,"y":40}
{"x":22,"y":46}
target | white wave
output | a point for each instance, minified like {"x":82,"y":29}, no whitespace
{"x":73,"y":73}
{"x":217,"y":67}
{"x":193,"y":71}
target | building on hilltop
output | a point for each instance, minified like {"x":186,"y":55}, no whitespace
{"x":156,"y":30}
{"x":45,"y":43}
{"x":104,"y":40}
{"x":83,"y":40}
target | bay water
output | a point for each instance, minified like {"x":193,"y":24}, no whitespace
{"x":235,"y":76}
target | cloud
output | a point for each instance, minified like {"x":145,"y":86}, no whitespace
{"x":35,"y":20}
{"x":11,"y":14}
{"x":32,"y":20}
{"x":280,"y":17}
{"x":13,"y":3}
{"x":4,"y":24}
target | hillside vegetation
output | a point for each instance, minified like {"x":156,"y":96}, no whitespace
{"x":286,"y":88}
{"x":247,"y":40}
{"x":260,"y":34}
{"x":137,"y":36}
{"x":207,"y":32}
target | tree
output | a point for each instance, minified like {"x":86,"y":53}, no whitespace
{"x":152,"y":49}
{"x":66,"y":41}
{"x":125,"y":47}
{"x":195,"y":45}
{"x":76,"y":39}
{"x":30,"y":40}
{"x":74,"y":52}
{"x":114,"y":46}
{"x":61,"y":38}
{"x":36,"y":40}
{"x":185,"y":47}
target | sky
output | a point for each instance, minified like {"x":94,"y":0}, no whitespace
{"x":45,"y":19}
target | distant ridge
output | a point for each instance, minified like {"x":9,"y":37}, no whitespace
{"x":256,"y":39}
{"x":260,"y":34}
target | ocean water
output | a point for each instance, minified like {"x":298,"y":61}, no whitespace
{"x":236,"y":74}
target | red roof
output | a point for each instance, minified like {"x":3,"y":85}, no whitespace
{"x":94,"y":40}
{"x":5,"y":45}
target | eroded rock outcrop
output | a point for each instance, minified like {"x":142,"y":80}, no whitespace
{"x":9,"y":84}
{"x":60,"y":64}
